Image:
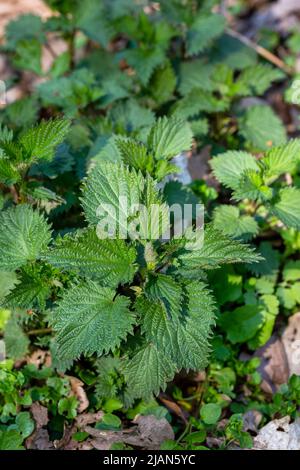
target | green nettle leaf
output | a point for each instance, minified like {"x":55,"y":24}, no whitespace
{"x":157,"y":325}
{"x":7,"y":283}
{"x":154,"y":221}
{"x":91,"y":319}
{"x":109,"y":261}
{"x":197,"y":101}
{"x":105,"y":149}
{"x":262,"y":128}
{"x":16,"y":341}
{"x":200,"y":127}
{"x":229,"y":167}
{"x":92,"y":19}
{"x":131,"y":115}
{"x":62,"y":163}
{"x":29,"y":55}
{"x":216,"y":249}
{"x":61,"y":64}
{"x":178,"y":193}
{"x":5,"y":133}
{"x":107,"y":369}
{"x":135,"y":154}
{"x":203,"y":30}
{"x":114,"y":192}
{"x":165,"y":288}
{"x":70,"y":93}
{"x":148,"y":371}
{"x":195,"y":330}
{"x":195,"y":74}
{"x":257,"y":79}
{"x":23,"y":112}
{"x":29,"y":293}
{"x":287,"y":208}
{"x":11,"y":150}
{"x":105,"y":186}
{"x":24,"y":235}
{"x":281,"y":159}
{"x":163,"y":83}
{"x":229,"y":220}
{"x":232,"y":52}
{"x":251,"y":186}
{"x":40,"y":141}
{"x":169,"y":137}
{"x":59,"y":364}
{"x":145,"y":61}
{"x":8,"y":173}
{"x":183,"y":337}
{"x":32,"y":289}
{"x":24,"y":27}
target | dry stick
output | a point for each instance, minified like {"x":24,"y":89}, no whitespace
{"x":39,"y":331}
{"x":261,"y":51}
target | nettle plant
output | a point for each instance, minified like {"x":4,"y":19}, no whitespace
{"x":264,"y":187}
{"x":19,"y":154}
{"x":143,"y":306}
{"x":122,"y":63}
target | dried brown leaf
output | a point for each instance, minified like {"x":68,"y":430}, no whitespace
{"x":252,"y":419}
{"x":39,"y":439}
{"x":274,"y":365}
{"x":40,"y":414}
{"x":172,"y":406}
{"x":291,"y":342}
{"x":88,"y":418}
{"x":79,"y":392}
{"x":148,"y":433}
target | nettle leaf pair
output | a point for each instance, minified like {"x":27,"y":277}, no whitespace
{"x":214,"y":88}
{"x":257,"y":179}
{"x":18,"y":154}
{"x":143,"y":302}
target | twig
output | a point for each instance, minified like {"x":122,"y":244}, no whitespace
{"x":40,"y":331}
{"x":261,"y":51}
